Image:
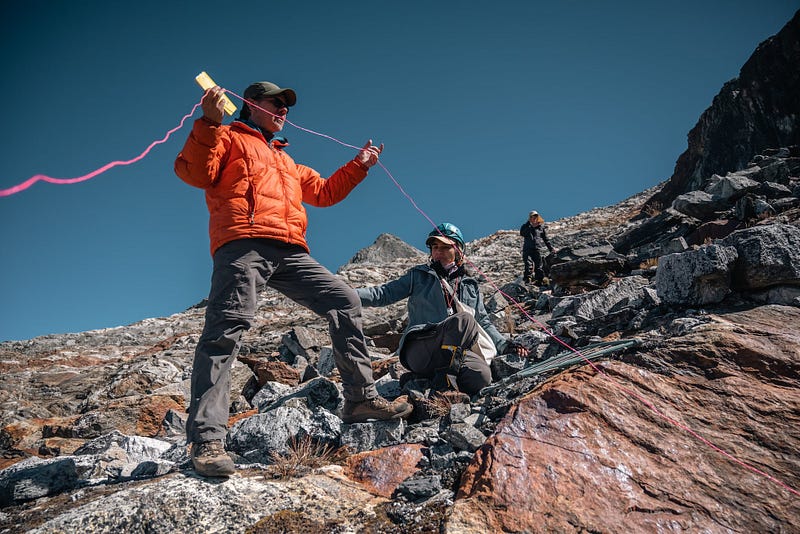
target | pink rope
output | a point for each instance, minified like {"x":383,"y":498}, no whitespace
{"x":64,"y":181}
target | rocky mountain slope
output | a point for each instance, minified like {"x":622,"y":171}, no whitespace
{"x":662,"y":393}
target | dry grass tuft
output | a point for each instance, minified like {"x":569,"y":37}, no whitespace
{"x":304,"y":455}
{"x":437,"y":406}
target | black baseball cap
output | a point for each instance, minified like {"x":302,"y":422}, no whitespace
{"x":259,"y":90}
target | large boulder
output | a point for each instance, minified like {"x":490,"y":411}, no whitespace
{"x":696,"y":277}
{"x":711,"y":230}
{"x":586,"y":271}
{"x":319,"y":502}
{"x":628,"y":291}
{"x":769,"y":255}
{"x":259,"y":437}
{"x":111,"y":457}
{"x":699,"y":204}
{"x":731,"y":188}
{"x":35,"y":477}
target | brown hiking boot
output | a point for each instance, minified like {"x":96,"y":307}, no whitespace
{"x":211,"y":460}
{"x":377,"y":409}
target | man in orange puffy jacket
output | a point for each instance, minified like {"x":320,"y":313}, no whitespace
{"x":257,"y":224}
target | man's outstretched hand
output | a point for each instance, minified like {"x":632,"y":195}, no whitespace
{"x":369,"y":154}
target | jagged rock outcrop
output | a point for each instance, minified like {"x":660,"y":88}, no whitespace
{"x":758,"y":110}
{"x":319,"y":502}
{"x":386,"y":248}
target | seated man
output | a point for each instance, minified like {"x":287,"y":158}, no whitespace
{"x":450,"y":338}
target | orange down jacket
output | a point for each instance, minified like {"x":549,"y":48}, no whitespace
{"x":253,"y":188}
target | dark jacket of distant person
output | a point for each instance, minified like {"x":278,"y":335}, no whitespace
{"x":535,"y":237}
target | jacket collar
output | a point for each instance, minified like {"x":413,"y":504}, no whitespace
{"x":426,"y":267}
{"x":276,"y":141}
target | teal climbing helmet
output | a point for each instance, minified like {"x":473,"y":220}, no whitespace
{"x":448,"y":230}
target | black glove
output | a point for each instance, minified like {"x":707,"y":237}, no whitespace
{"x":511,"y":347}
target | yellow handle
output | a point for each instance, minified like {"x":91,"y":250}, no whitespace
{"x":205,"y":81}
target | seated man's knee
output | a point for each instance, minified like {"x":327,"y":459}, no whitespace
{"x":353,"y":300}
{"x":485,"y":376}
{"x":465,"y":324}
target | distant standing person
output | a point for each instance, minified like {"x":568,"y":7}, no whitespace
{"x":535,"y":237}
{"x":450,"y":338}
{"x":257,"y":223}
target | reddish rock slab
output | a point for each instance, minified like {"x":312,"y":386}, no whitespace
{"x":24,"y":438}
{"x":273,"y":371}
{"x":152,"y":413}
{"x":384,"y":367}
{"x":382,"y":470}
{"x":584,"y":453}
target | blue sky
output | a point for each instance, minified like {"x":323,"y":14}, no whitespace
{"x":487,"y":110}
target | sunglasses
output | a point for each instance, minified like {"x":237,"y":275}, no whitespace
{"x":277,"y":102}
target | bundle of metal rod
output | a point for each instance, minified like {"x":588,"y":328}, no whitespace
{"x":563,"y":360}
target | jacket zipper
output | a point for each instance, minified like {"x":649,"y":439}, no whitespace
{"x":280,"y":164}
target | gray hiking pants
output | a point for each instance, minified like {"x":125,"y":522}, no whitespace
{"x":241,"y":268}
{"x":422,"y":352}
{"x":532,"y":261}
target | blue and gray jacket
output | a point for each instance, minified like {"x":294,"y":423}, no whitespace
{"x":426,"y":301}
